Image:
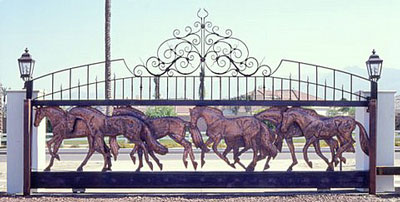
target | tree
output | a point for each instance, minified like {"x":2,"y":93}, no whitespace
{"x":107,"y":40}
{"x":160,"y":111}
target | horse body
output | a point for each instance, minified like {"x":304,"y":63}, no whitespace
{"x":232,"y":129}
{"x":317,"y":128}
{"x":101,"y":125}
{"x":173,"y":127}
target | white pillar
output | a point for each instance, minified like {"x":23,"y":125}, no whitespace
{"x":15,"y":132}
{"x":385,"y":138}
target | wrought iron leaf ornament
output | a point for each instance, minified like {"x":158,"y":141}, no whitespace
{"x":199,"y":48}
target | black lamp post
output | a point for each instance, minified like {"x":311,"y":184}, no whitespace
{"x":374,"y":67}
{"x":26,"y":65}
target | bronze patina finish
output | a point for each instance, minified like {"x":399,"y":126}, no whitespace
{"x":248,"y":128}
{"x":58,"y":120}
{"x":315,"y":128}
{"x":173,"y":127}
{"x":100,"y":125}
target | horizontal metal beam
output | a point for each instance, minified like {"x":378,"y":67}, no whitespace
{"x":273,"y":179}
{"x":387,"y":170}
{"x":198,"y":102}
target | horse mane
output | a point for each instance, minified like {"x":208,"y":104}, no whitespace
{"x":310,"y":112}
{"x":131,"y":109}
{"x":214,"y":109}
{"x":53,"y":107}
{"x":273,"y":108}
{"x":88,"y":108}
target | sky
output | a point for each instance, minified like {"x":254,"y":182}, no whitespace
{"x":64,"y":33}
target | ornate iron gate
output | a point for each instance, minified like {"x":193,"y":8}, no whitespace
{"x":202,"y":66}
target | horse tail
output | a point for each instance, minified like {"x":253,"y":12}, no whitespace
{"x":363,"y":138}
{"x":152,"y":142}
{"x":266,"y":140}
{"x":114,"y":147}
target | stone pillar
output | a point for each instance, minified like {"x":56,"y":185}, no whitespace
{"x":15,"y":131}
{"x":385,"y":138}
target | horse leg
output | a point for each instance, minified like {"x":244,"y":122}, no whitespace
{"x":49,"y":143}
{"x":203,"y":152}
{"x":333,"y":145}
{"x":89,"y":154}
{"x":252,"y":165}
{"x":56,"y":146}
{"x":188,"y":147}
{"x":289,"y":142}
{"x":317,"y":149}
{"x":146,"y":153}
{"x":102,"y":149}
{"x":140,"y":155}
{"x":217,"y":140}
{"x":236,"y":157}
{"x":154,"y":157}
{"x":305,"y":149}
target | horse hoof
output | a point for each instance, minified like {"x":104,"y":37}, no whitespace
{"x":79,"y":169}
{"x":232,"y":165}
{"x":137,"y":170}
{"x":202,"y":163}
{"x":250,"y":169}
{"x":195,"y":165}
{"x":343,"y":160}
{"x":289,"y":170}
{"x":46,"y":169}
{"x":185,"y":163}
{"x":104,"y":169}
{"x":330,"y":169}
{"x":266,"y":167}
{"x":151,"y":165}
{"x":57,"y":157}
{"x":160,"y":166}
{"x":309,"y":164}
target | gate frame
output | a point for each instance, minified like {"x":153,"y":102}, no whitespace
{"x":370,"y":103}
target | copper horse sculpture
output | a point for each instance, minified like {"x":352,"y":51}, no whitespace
{"x":274,"y":115}
{"x":58,"y":120}
{"x":101,"y":125}
{"x":248,"y":128}
{"x":173,"y":127}
{"x":315,"y":129}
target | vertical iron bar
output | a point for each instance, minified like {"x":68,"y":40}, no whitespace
{"x":229,"y":88}
{"x":167,"y":87}
{"x":115,"y":87}
{"x":308,"y":88}
{"x":131,"y":88}
{"x":264,"y":87}
{"x":96,"y":87}
{"x":273,"y":88}
{"x":194,"y":87}
{"x":247,"y":88}
{"x":334,"y":84}
{"x":316,"y":82}
{"x":325,"y":91}
{"x":290,"y":87}
{"x":52,"y":86}
{"x":123,"y":88}
{"x":176,"y":88}
{"x":351,"y":87}
{"x":184,"y":87}
{"x":281,"y":89}
{"x":141,"y":87}
{"x":342,"y":92}
{"x":299,"y":83}
{"x":150,"y":88}
{"x":211,"y":89}
{"x":237,"y":87}
{"x":61,"y":92}
{"x":220,"y":88}
{"x":87,"y":81}
{"x":255,"y":88}
{"x":70,"y":83}
{"x":79,"y":89}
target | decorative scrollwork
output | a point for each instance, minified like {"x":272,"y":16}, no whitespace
{"x":202,"y":47}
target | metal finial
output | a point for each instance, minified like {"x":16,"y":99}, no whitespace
{"x":373,"y":51}
{"x":204,"y":11}
{"x":26,"y":50}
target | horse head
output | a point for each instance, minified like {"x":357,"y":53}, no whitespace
{"x":273,"y":114}
{"x":130,"y":111}
{"x":287,"y":120}
{"x":40,"y":114}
